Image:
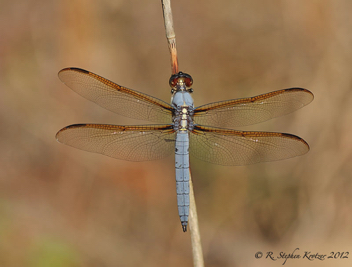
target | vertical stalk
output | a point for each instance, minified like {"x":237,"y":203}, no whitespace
{"x":193,"y":217}
{"x":197,"y":251}
{"x":170,"y":34}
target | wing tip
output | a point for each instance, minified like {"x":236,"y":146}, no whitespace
{"x":74,"y":69}
{"x":292,"y":136}
{"x":302,"y":90}
{"x":71,"y":69}
{"x":57,"y":136}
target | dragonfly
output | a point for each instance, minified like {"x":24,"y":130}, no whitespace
{"x":204,"y":132}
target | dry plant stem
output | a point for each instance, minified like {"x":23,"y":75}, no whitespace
{"x":194,"y":228}
{"x":193,"y":218}
{"x":170,"y":34}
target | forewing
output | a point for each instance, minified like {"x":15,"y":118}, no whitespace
{"x":230,"y":147}
{"x":116,"y":98}
{"x":133,"y":143}
{"x":247,"y":111}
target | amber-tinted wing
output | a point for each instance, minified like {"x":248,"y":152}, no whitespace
{"x":133,"y":143}
{"x":116,"y":98}
{"x":247,"y":111}
{"x":230,"y":147}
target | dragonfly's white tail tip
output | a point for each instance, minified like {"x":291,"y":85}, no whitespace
{"x":184,"y":226}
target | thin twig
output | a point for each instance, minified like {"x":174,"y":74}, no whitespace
{"x":193,"y":217}
{"x":170,"y":34}
{"x":197,"y":251}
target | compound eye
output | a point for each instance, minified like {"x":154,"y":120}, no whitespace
{"x":173,"y":80}
{"x":188,"y":81}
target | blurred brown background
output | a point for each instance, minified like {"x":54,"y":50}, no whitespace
{"x":64,"y":207}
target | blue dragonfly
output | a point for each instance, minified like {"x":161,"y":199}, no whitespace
{"x":204,"y":131}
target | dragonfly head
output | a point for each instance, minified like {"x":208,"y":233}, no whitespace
{"x":181,"y":82}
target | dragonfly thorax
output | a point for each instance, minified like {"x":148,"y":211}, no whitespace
{"x":182,"y":103}
{"x":183,"y":118}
